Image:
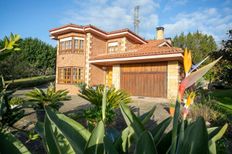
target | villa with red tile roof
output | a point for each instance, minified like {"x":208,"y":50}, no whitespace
{"x":122,"y":59}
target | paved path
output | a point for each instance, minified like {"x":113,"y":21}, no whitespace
{"x":139,"y":106}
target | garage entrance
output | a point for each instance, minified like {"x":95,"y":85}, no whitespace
{"x":147,"y":79}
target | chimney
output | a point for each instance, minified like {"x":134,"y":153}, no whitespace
{"x":159,"y":33}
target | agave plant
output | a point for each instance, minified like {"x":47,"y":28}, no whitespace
{"x":64,"y":135}
{"x":94,"y":95}
{"x":8,"y":115}
{"x":40,"y":98}
{"x":113,"y":96}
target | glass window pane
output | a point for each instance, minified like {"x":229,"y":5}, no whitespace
{"x":81,"y":44}
{"x":76,"y":44}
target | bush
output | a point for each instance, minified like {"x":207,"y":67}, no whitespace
{"x":40,"y":98}
{"x":16,"y":101}
{"x":30,"y":82}
{"x":135,"y":138}
{"x":95,"y":95}
{"x":206,"y":111}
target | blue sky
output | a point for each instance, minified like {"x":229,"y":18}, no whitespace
{"x":31,"y":18}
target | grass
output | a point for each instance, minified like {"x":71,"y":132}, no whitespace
{"x":30,"y":82}
{"x":224,"y":96}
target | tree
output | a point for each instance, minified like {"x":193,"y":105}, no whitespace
{"x":200,"y":44}
{"x":223,"y":71}
{"x":39,"y":54}
{"x":35,"y":58}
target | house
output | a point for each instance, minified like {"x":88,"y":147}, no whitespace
{"x":119,"y":58}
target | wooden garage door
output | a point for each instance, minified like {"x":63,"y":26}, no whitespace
{"x":148,"y":79}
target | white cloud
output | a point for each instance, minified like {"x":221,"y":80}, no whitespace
{"x":209,"y":21}
{"x":172,"y":3}
{"x":113,"y":15}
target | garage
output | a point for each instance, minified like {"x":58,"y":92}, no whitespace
{"x":147,"y":79}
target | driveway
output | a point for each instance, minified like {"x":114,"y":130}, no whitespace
{"x":139,"y":105}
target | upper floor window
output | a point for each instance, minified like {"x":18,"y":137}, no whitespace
{"x":70,"y":74}
{"x":78,"y":45}
{"x":71,"y":45}
{"x":66,"y":45}
{"x":112,"y":47}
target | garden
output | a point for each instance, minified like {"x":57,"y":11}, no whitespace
{"x":199,"y":120}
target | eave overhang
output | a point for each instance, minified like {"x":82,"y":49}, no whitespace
{"x":139,"y":59}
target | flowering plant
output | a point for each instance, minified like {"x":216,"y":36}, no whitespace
{"x":192,"y":74}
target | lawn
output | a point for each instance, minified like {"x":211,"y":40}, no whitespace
{"x":224,"y":96}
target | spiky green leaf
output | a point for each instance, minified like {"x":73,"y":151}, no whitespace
{"x":10,"y":144}
{"x":158,"y":131}
{"x":71,"y":130}
{"x":145,"y":144}
{"x":95,"y":144}
{"x":195,"y":138}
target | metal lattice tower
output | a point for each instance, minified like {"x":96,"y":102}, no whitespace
{"x":136,"y":19}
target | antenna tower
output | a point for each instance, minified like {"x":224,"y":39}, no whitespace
{"x":136,"y":19}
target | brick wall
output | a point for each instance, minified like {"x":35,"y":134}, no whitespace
{"x":121,"y":43}
{"x":98,"y":45}
{"x":97,"y":75}
{"x":129,"y":44}
{"x":63,"y":60}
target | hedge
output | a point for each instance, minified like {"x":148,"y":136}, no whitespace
{"x":30,"y":82}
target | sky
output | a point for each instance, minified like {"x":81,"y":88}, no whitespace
{"x":31,"y":18}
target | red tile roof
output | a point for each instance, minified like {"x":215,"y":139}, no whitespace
{"x":149,"y":49}
{"x":98,"y":29}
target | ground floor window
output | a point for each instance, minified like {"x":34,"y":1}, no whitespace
{"x":70,"y":74}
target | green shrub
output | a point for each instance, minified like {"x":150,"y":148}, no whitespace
{"x":95,"y":95}
{"x":39,"y":99}
{"x":205,"y":110}
{"x":8,"y":115}
{"x":30,"y":82}
{"x":16,"y":101}
{"x":93,"y":115}
{"x":67,"y":135}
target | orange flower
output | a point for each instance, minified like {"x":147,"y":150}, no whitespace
{"x":181,"y":92}
{"x":187,"y":61}
{"x":190,"y":99}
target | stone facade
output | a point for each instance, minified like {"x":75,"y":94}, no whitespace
{"x":173,"y":79}
{"x":116,"y":76}
{"x":87,"y":56}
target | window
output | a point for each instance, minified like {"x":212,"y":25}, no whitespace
{"x":78,"y":45}
{"x":71,"y":45}
{"x":70,"y":75}
{"x":66,"y":45}
{"x":112,"y":47}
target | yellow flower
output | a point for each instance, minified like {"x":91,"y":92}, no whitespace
{"x":190,"y":99}
{"x":187,"y":61}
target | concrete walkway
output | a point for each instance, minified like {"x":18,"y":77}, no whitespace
{"x":139,"y":106}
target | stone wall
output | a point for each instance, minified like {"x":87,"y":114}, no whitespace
{"x":116,"y":76}
{"x":173,"y":79}
{"x":87,"y":57}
